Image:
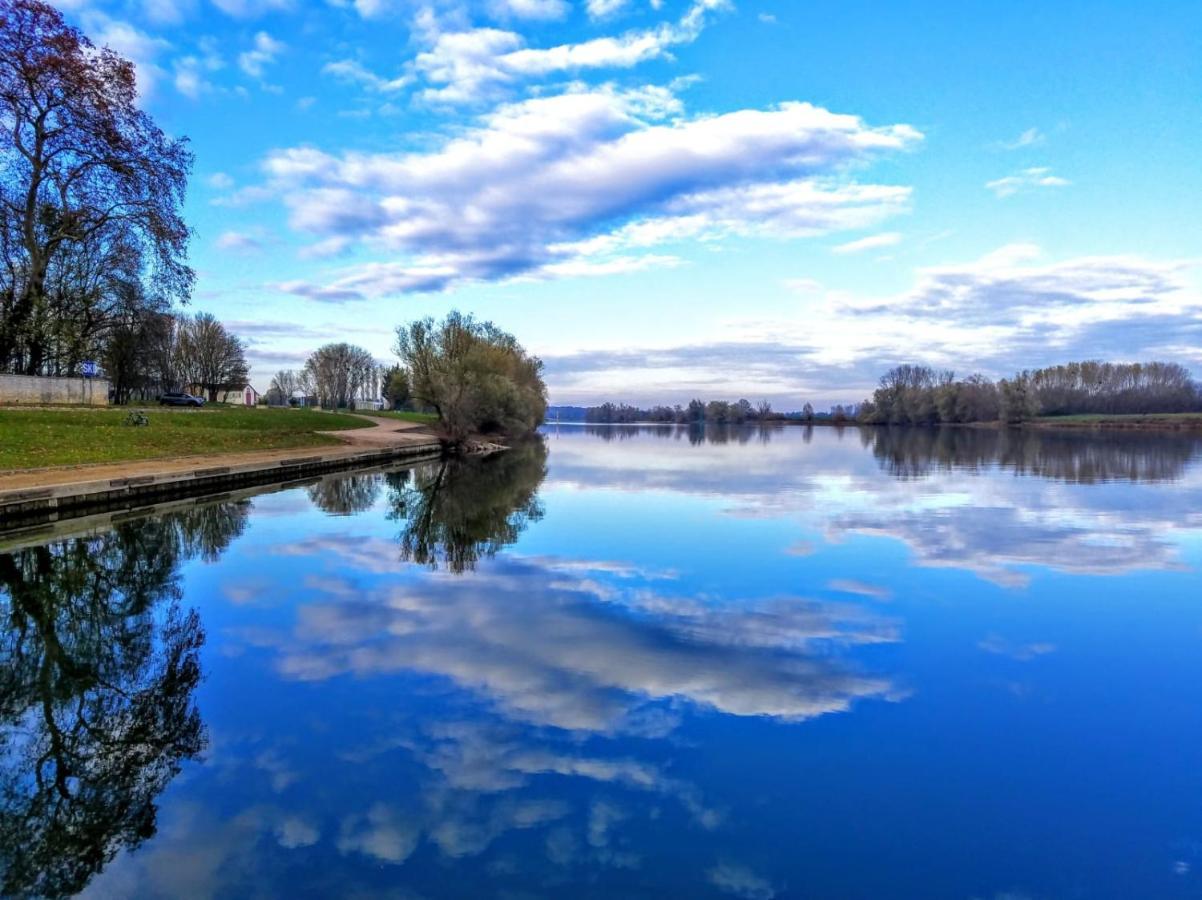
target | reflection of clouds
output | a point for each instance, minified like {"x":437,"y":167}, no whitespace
{"x":196,"y":854}
{"x":577,"y":662}
{"x":994,"y":542}
{"x":860,"y":588}
{"x":998,"y":645}
{"x":740,"y":881}
{"x":965,"y":510}
{"x":608,"y":567}
{"x":466,"y":826}
{"x":471,"y":758}
{"x":295,"y":831}
{"x":552,"y":653}
{"x":382,"y":833}
{"x":370,"y":554}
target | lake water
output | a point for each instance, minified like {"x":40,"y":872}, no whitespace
{"x":631,"y":662}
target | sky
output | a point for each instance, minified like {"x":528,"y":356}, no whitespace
{"x":674,"y":198}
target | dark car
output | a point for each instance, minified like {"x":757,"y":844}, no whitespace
{"x":179,"y":398}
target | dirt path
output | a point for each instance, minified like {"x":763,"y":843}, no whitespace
{"x":385,"y":433}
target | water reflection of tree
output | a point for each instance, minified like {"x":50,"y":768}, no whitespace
{"x":695,"y":434}
{"x":345,"y":495}
{"x":457,"y":511}
{"x":98,"y":666}
{"x":1073,"y":456}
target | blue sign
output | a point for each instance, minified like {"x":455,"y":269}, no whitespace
{"x":89,"y":369}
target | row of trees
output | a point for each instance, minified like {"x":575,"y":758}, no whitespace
{"x":474,"y":376}
{"x":716,"y":412}
{"x":920,"y":395}
{"x":93,"y":246}
{"x":334,"y":377}
{"x":163,"y":352}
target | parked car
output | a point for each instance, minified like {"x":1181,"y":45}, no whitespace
{"x":179,"y":398}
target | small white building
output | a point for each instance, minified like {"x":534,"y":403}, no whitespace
{"x":248,"y":396}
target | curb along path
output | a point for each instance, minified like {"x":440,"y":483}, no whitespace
{"x":43,"y":495}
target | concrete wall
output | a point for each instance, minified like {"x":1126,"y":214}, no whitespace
{"x":27,"y":391}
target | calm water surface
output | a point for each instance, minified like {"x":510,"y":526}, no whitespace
{"x":626,"y":663}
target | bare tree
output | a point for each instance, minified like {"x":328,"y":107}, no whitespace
{"x":209,"y":357}
{"x":284,"y":385}
{"x":91,"y":188}
{"x":340,"y":373}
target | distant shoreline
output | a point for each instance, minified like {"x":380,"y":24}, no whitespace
{"x":1168,"y":422}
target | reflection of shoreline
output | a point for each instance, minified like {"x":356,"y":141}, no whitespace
{"x":1074,"y":457}
{"x":694,"y":434}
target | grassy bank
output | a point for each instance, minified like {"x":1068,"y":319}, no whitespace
{"x":67,"y":437}
{"x":1144,"y":421}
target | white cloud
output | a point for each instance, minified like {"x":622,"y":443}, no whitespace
{"x":264,"y":52}
{"x":368,"y":9}
{"x":1029,"y":138}
{"x":600,"y":9}
{"x":465,"y":66}
{"x":220,"y":181}
{"x":249,"y":9}
{"x":140,"y":48}
{"x":873,"y":242}
{"x":167,"y":12}
{"x":354,"y":71}
{"x":1027,"y":179}
{"x":1008,"y":310}
{"x":190,"y":77}
{"x":585,"y":175}
{"x":538,"y":10}
{"x":239,"y":242}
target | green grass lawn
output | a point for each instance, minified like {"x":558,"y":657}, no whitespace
{"x":420,"y":418}
{"x":66,"y":437}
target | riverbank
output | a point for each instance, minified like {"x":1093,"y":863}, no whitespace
{"x":1146,"y":422}
{"x":46,"y":492}
{"x":45,"y":438}
{"x":1143,"y":422}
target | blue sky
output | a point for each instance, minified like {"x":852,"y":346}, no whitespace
{"x":720,"y":198}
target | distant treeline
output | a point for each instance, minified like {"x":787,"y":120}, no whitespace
{"x":715,"y":412}
{"x":919,"y":395}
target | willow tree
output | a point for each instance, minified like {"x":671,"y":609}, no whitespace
{"x":90,"y":193}
{"x":477,"y":377}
